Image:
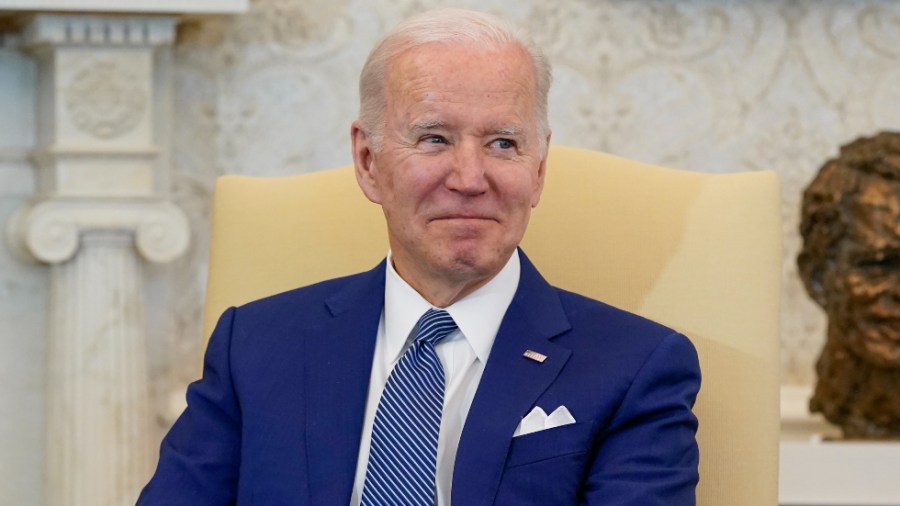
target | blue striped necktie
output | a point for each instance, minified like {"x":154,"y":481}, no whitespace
{"x":402,"y":460}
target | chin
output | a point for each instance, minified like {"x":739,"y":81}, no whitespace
{"x":474,"y":264}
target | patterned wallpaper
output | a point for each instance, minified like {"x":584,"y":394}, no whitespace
{"x":707,"y":85}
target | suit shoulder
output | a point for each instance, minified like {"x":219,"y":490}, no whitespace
{"x":619,"y":334}
{"x":581,"y":308}
{"x":612,"y":338}
{"x":316,"y":298}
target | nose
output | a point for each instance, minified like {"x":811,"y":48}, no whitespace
{"x":467,"y":175}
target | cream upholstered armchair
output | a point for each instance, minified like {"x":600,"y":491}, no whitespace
{"x":698,"y":252}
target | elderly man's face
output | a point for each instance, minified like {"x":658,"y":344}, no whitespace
{"x":863,"y":290}
{"x":461,"y":164}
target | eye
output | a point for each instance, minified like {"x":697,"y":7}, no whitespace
{"x":878,"y":262}
{"x":434,"y":139}
{"x":504,"y":144}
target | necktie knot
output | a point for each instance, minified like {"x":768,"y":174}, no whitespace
{"x":434,"y":326}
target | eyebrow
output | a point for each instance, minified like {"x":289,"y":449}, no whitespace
{"x":429,"y":125}
{"x":508,"y":130}
{"x":424,"y":126}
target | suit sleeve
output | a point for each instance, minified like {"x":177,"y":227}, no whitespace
{"x":649,"y":455}
{"x":200,"y":456}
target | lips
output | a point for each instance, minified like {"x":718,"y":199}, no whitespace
{"x":471,"y":213}
{"x":464,"y":217}
{"x":465,"y":221}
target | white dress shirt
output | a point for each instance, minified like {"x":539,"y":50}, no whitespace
{"x":463,"y":354}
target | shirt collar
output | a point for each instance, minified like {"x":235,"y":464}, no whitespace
{"x":478,"y":314}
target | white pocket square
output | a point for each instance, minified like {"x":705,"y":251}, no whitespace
{"x":538,"y":420}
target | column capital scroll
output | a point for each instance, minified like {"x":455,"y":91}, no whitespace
{"x":49,"y":230}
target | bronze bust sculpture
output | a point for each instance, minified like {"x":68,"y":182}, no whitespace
{"x":850,"y":265}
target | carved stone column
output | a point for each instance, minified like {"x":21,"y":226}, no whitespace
{"x":99,"y":211}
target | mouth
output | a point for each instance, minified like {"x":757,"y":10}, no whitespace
{"x":466,"y":222}
{"x":464,"y":216}
{"x":451,"y":218}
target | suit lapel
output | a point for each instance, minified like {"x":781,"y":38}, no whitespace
{"x":338,"y":362}
{"x":510,"y":385}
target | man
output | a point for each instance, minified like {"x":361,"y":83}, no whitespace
{"x":452,"y":371}
{"x":850,"y":264}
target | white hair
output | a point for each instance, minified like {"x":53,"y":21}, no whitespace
{"x":444,"y":26}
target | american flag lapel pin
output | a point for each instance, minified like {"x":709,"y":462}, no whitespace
{"x":533,"y":355}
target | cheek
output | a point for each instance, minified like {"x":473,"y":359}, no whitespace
{"x":845,"y":294}
{"x":525,"y":202}
{"x":419,"y":179}
{"x":856,"y":285}
{"x":408,"y":207}
{"x":519,"y":188}
{"x":397,"y":190}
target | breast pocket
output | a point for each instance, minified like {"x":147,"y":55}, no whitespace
{"x":550,"y":443}
{"x":547,"y":467}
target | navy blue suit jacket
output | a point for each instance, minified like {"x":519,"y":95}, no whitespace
{"x":277,"y":415}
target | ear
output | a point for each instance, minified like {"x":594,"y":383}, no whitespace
{"x":364,"y":162}
{"x":542,"y":171}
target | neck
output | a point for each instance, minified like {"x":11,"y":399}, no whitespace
{"x":441,"y":292}
{"x":441,"y":288}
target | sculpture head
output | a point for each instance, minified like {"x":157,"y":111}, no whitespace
{"x":850,"y":264}
{"x":850,"y":261}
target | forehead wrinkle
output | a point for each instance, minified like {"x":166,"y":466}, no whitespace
{"x":405,"y":75}
{"x":424,"y":90}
